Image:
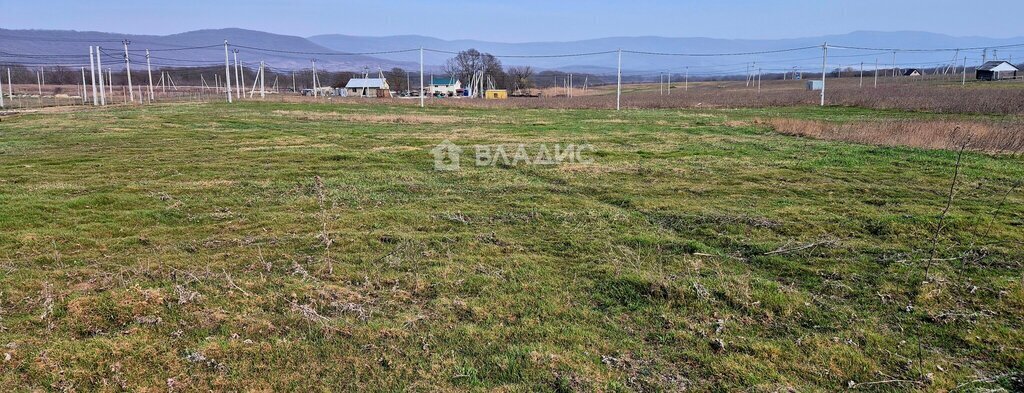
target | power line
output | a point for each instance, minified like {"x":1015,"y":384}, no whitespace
{"x":926,"y":50}
{"x":324,"y":53}
{"x":721,"y":54}
{"x":176,"y":48}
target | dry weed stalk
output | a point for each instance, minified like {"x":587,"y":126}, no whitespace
{"x":933,"y":254}
{"x":786,"y":249}
{"x":47,"y":294}
{"x":267,"y":265}
{"x":308,"y":313}
{"x":232,"y":283}
{"x":325,"y":234}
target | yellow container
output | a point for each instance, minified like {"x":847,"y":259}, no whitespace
{"x":495,"y":94}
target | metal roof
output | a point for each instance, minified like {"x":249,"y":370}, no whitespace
{"x":372,"y":83}
{"x":442,"y":81}
{"x":991,"y":65}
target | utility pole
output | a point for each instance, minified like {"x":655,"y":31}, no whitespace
{"x":39,"y":82}
{"x":421,"y":77}
{"x":984,"y":55}
{"x":862,"y":74}
{"x":92,"y":73}
{"x":2,"y":90}
{"x":824,"y":64}
{"x":876,"y":72}
{"x":661,"y":83}
{"x":85,"y":94}
{"x":670,"y":83}
{"x":686,"y":83}
{"x":893,"y":64}
{"x":758,"y":80}
{"x":315,"y":92}
{"x":953,"y":63}
{"x":227,"y":70}
{"x":618,"y":84}
{"x":963,"y":81}
{"x":110,"y":84}
{"x":238,"y":78}
{"x":241,"y":79}
{"x":99,"y":70}
{"x":262,"y":80}
{"x":128,"y":70}
{"x":10,"y":86}
{"x":149,"y":69}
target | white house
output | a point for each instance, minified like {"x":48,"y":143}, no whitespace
{"x":368,"y":87}
{"x":444,"y":86}
{"x":996,"y":70}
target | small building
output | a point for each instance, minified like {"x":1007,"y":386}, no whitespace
{"x":496,"y":94}
{"x":997,"y":70}
{"x":814,"y":85}
{"x":448,"y":87}
{"x":368,"y":87}
{"x":912,"y":72}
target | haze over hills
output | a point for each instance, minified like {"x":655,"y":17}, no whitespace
{"x":204,"y":47}
{"x":71,"y":47}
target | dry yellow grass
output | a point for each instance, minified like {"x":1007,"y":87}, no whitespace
{"x":934,"y":134}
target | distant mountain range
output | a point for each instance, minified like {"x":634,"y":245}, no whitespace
{"x":194,"y":48}
{"x":205,"y":47}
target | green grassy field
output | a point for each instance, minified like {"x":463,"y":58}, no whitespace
{"x":314,"y":247}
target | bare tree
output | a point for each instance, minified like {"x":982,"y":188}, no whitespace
{"x":397,"y":79}
{"x":519,"y":78}
{"x":340,"y":78}
{"x":470,"y":62}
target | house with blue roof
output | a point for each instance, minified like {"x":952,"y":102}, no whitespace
{"x":448,"y":87}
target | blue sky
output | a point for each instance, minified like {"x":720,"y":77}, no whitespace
{"x":520,"y":20}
